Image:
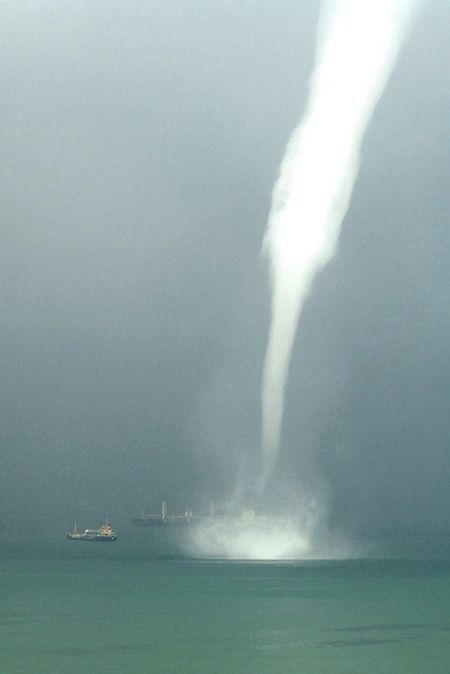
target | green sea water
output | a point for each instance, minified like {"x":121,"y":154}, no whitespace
{"x":90,"y":608}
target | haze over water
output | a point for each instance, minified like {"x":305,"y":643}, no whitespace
{"x":134,"y":311}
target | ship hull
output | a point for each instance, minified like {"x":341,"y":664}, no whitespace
{"x":96,"y":539}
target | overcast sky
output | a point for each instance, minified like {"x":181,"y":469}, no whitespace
{"x":139,"y":146}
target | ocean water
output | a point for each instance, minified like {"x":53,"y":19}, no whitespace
{"x":87,"y":608}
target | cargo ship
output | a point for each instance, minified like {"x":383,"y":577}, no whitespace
{"x":104,"y":533}
{"x":164,"y":519}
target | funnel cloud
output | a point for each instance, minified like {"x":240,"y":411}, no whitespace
{"x":358,"y":43}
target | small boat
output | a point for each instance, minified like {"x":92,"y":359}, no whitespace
{"x":104,"y":533}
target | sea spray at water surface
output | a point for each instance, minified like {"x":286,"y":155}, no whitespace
{"x":248,"y":535}
{"x":358,"y":42}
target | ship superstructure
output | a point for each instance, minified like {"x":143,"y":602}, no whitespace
{"x":164,"y":519}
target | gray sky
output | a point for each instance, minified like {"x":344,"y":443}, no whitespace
{"x":140,"y":142}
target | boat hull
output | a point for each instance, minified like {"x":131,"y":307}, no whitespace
{"x":155,"y":521}
{"x":96,"y":539}
{"x":105,"y":534}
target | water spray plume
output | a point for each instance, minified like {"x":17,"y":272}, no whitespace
{"x":358,"y":43}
